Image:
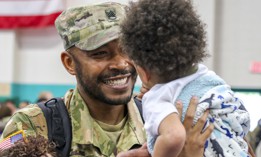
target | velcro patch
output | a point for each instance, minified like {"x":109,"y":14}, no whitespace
{"x":10,"y":140}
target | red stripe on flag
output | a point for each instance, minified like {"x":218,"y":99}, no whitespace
{"x":39,"y":21}
{"x":10,"y":141}
{"x":23,"y":0}
{"x":5,"y":144}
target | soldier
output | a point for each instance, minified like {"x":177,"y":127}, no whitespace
{"x":104,"y":118}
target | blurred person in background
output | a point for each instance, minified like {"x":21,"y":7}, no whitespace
{"x":5,"y":114}
{"x":44,"y":96}
{"x":10,"y":103}
{"x":23,"y":104}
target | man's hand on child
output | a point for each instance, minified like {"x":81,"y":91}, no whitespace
{"x":195,"y":138}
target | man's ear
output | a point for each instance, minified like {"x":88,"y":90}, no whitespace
{"x":68,"y":62}
{"x":143,"y":74}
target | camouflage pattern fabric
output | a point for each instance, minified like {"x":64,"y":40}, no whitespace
{"x":88,"y":137}
{"x":89,"y":27}
{"x":254,"y":137}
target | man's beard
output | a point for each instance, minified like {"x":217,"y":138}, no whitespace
{"x":91,"y":86}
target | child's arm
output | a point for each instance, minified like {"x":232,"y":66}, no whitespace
{"x":171,"y":139}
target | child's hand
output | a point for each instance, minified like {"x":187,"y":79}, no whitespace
{"x":195,"y":138}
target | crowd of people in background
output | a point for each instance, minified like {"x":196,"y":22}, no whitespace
{"x":10,"y":106}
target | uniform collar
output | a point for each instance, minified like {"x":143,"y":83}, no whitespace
{"x":86,"y":131}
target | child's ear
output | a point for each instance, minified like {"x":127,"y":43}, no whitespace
{"x":143,"y":74}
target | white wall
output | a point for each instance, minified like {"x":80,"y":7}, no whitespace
{"x":8,"y":47}
{"x":206,"y":9}
{"x":237,"y":41}
{"x":37,"y":59}
{"x":8,"y":44}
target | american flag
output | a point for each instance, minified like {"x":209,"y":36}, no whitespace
{"x":9,"y":141}
{"x":29,"y":13}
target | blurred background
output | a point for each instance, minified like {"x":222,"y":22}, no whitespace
{"x":30,"y":53}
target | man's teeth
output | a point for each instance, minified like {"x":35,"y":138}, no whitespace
{"x":116,"y":82}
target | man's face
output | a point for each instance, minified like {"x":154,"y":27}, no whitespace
{"x":105,"y":74}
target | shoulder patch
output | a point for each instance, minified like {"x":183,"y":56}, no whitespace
{"x":10,"y":140}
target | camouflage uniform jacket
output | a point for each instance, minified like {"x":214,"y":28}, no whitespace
{"x":88,"y":137}
{"x":254,"y":137}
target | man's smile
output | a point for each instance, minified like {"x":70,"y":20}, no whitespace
{"x":120,"y":81}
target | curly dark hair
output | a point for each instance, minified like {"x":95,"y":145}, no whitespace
{"x":33,"y":147}
{"x":165,"y":36}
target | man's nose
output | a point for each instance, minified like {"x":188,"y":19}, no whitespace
{"x":119,"y":62}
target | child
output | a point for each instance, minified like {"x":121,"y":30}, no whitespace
{"x":166,"y":41}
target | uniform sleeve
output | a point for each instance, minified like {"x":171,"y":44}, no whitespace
{"x":30,"y":119}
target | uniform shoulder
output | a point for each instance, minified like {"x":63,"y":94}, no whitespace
{"x":31,"y":110}
{"x":30,"y":119}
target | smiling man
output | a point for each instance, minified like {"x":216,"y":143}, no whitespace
{"x":104,"y":118}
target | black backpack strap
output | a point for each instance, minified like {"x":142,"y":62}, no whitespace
{"x":139,"y":106}
{"x":58,"y":124}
